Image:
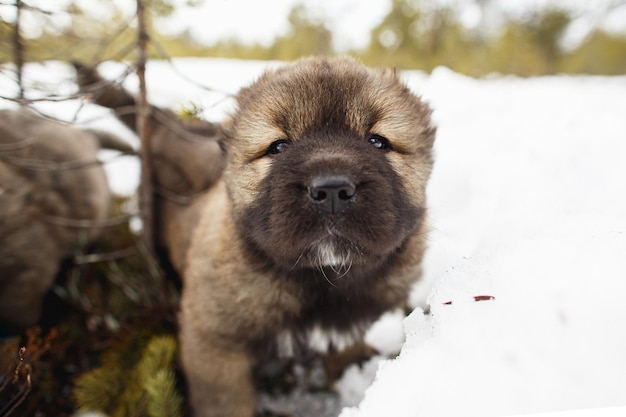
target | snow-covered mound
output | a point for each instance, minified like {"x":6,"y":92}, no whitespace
{"x":528,"y":206}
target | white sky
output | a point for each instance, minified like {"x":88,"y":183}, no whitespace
{"x":350,"y":20}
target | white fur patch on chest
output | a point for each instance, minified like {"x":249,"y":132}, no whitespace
{"x":316,"y":339}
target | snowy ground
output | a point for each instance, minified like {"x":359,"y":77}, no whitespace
{"x":528,"y":205}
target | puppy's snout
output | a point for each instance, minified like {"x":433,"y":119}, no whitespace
{"x":332,"y":193}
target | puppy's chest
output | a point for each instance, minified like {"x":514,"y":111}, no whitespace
{"x":298,"y":341}
{"x":330,"y":320}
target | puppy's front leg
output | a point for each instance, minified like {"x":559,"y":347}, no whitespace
{"x":218,"y":376}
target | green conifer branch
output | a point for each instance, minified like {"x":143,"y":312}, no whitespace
{"x":147,"y":387}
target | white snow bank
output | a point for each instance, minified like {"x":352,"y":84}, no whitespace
{"x":528,"y":204}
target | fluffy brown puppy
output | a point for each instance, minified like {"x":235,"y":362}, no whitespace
{"x":317,"y":226}
{"x":47,"y":175}
{"x":186,"y":160}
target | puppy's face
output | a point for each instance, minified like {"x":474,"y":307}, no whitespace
{"x":327,"y":164}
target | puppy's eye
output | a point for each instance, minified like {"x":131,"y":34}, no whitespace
{"x":379,"y":142}
{"x":277,"y":147}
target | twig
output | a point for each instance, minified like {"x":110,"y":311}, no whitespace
{"x":51,"y":98}
{"x":174,"y":126}
{"x":476,"y":298}
{"x":41,"y":165}
{"x":23,"y":391}
{"x":163,"y":52}
{"x":27,"y":7}
{"x":88,"y":223}
{"x":19,"y":366}
{"x":120,"y":29}
{"x":104,"y":257}
{"x":18,"y":48}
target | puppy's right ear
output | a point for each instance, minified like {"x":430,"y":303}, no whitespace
{"x":106,"y":93}
{"x":86,"y":76}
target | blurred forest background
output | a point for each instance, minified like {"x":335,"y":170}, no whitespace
{"x":415,"y":34}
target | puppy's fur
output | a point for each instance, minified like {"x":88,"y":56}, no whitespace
{"x":185,"y":155}
{"x":317,"y":224}
{"x":35,"y":191}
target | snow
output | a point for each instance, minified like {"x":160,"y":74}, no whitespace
{"x":527,"y":205}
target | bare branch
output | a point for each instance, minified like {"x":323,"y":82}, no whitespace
{"x":167,"y":57}
{"x":23,"y":388}
{"x":18,"y":47}
{"x":89,"y":223}
{"x":26,"y":7}
{"x":109,"y":40}
{"x":175,"y":127}
{"x":51,"y":98}
{"x":476,"y":298}
{"x":43,"y":165}
{"x":104,"y":257}
{"x":143,"y":111}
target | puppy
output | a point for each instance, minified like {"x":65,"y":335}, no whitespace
{"x":317,"y":225}
{"x":38,"y":194}
{"x":185,"y":157}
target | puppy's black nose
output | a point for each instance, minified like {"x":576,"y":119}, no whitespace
{"x":332,"y":193}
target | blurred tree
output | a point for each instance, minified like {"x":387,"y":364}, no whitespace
{"x":415,"y":36}
{"x":5,"y":41}
{"x":601,"y":53}
{"x":306,"y":36}
{"x":547,"y":29}
{"x":421,"y":34}
{"x":390,"y":42}
{"x":515,"y":52}
{"x":532,"y":46}
{"x":86,"y":37}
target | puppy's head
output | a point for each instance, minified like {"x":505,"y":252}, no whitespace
{"x":327,"y":163}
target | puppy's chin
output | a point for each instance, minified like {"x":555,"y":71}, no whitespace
{"x":310,"y":241}
{"x":332,"y":252}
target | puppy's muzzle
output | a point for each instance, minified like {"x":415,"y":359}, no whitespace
{"x":332,"y":194}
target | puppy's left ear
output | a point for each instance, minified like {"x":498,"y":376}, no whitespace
{"x":225,"y":132}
